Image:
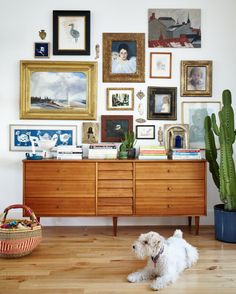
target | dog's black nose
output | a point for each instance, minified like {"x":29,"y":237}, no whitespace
{"x":133,"y":246}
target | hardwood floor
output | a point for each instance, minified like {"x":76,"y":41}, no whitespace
{"x":91,"y":260}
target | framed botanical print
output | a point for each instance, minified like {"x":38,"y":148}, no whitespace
{"x":160,"y":65}
{"x":115,"y":126}
{"x":120,"y":98}
{"x":193,"y":114}
{"x":162,"y":103}
{"x":58,"y":90}
{"x":71,"y":32}
{"x":196,"y":78}
{"x":145,"y":132}
{"x":123,"y":57}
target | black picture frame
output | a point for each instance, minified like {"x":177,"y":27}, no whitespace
{"x":157,"y":94}
{"x":142,"y":132}
{"x":71,"y":46}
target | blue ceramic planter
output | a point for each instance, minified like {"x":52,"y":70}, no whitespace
{"x":225,"y":224}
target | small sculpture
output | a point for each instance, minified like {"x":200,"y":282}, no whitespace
{"x":97,"y":50}
{"x":42,"y":34}
{"x":160,"y":136}
{"x":140,"y":95}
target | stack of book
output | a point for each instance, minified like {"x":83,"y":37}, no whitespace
{"x":185,"y":154}
{"x":102,"y":151}
{"x":70,"y":152}
{"x":152,"y":152}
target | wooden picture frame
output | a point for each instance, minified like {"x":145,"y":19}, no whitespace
{"x":124,"y":57}
{"x":21,"y":135}
{"x":115,"y":126}
{"x":145,"y":132}
{"x":58,"y":90}
{"x":162,"y":103}
{"x":193,"y":114}
{"x":120,"y":98}
{"x":196,"y":78}
{"x":90,"y":132}
{"x":71,"y":32}
{"x":160,"y":65}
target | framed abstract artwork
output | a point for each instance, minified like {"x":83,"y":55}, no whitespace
{"x":196,"y":78}
{"x":160,"y":65}
{"x":58,"y":90}
{"x":162,"y":103}
{"x":115,"y":126}
{"x":22,"y":136}
{"x":71,"y":32}
{"x":120,"y":98}
{"x":193,"y":114}
{"x":123,"y":57}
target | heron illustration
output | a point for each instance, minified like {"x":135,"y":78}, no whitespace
{"x":74,"y":33}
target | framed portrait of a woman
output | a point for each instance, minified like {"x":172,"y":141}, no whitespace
{"x":123,"y":57}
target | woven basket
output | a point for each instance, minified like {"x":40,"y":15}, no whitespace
{"x":19,"y":242}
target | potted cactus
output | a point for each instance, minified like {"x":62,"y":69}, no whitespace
{"x":223,"y":173}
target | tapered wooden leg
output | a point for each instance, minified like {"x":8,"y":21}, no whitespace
{"x":189,"y":222}
{"x":197,"y":220}
{"x":114,"y":225}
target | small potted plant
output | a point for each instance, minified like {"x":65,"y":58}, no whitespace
{"x":130,"y":141}
{"x":223,"y":173}
{"x":123,"y":153}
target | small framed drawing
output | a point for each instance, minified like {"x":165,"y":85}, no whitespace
{"x":196,"y":78}
{"x":41,"y":50}
{"x":160,"y":65}
{"x":71,"y":32}
{"x":90,"y":132}
{"x":145,"y":132}
{"x":115,"y":126}
{"x":120,"y":98}
{"x":162,"y":103}
{"x":123,"y":57}
{"x":194,"y":113}
{"x":58,"y":90}
{"x":21,"y":136}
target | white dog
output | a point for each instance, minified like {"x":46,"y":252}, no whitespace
{"x":166,"y":258}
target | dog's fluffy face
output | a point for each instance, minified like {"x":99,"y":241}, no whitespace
{"x":148,"y":245}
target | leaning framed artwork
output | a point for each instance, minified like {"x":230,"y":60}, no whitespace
{"x":71,"y":32}
{"x":90,"y":132}
{"x":196,"y":78}
{"x":123,"y":57}
{"x":193,"y":114}
{"x":162,"y":103}
{"x":115,"y":126}
{"x":58,"y":90}
{"x":22,"y":136}
{"x":160,"y":65}
{"x":120,"y":98}
{"x":145,"y":132}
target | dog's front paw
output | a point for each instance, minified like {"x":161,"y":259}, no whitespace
{"x":134,"y":277}
{"x":156,"y":285}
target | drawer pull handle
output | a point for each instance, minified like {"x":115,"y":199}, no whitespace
{"x":168,"y":170}
{"x":168,"y":206}
{"x":169,"y":188}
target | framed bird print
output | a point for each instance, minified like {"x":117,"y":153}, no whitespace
{"x":71,"y":32}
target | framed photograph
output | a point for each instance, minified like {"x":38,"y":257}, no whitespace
{"x":115,"y":126}
{"x":160,"y":65}
{"x":194,"y":113}
{"x":71,"y":32}
{"x":90,"y":132}
{"x":123,"y":57}
{"x":196,"y":78}
{"x":21,"y":136}
{"x":145,"y":132}
{"x":162,"y":103}
{"x":120,"y":98}
{"x":176,"y":28}
{"x":58,"y":90}
{"x":41,"y":50}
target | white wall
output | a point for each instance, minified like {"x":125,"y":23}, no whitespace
{"x":20,"y":22}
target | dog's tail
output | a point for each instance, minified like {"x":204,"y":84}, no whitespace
{"x":178,"y":234}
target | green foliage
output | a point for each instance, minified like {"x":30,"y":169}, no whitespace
{"x":129,"y":141}
{"x":224,"y":175}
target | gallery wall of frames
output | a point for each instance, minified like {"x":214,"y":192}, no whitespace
{"x":84,"y":66}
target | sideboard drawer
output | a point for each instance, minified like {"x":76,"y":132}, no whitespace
{"x":115,"y":166}
{"x":115,"y":184}
{"x":116,"y":175}
{"x":110,"y":192}
{"x":115,"y":206}
{"x":170,"y":170}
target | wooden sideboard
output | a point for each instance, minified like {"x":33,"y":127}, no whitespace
{"x":116,"y":188}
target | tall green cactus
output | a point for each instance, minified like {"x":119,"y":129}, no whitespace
{"x":224,"y":175}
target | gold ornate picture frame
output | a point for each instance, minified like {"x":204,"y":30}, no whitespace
{"x":196,"y":78}
{"x":123,"y":57}
{"x":120,"y":98}
{"x":58,"y":90}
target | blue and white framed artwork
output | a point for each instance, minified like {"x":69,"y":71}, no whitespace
{"x":21,"y":136}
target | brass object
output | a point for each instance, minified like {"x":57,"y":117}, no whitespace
{"x":42,"y":34}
